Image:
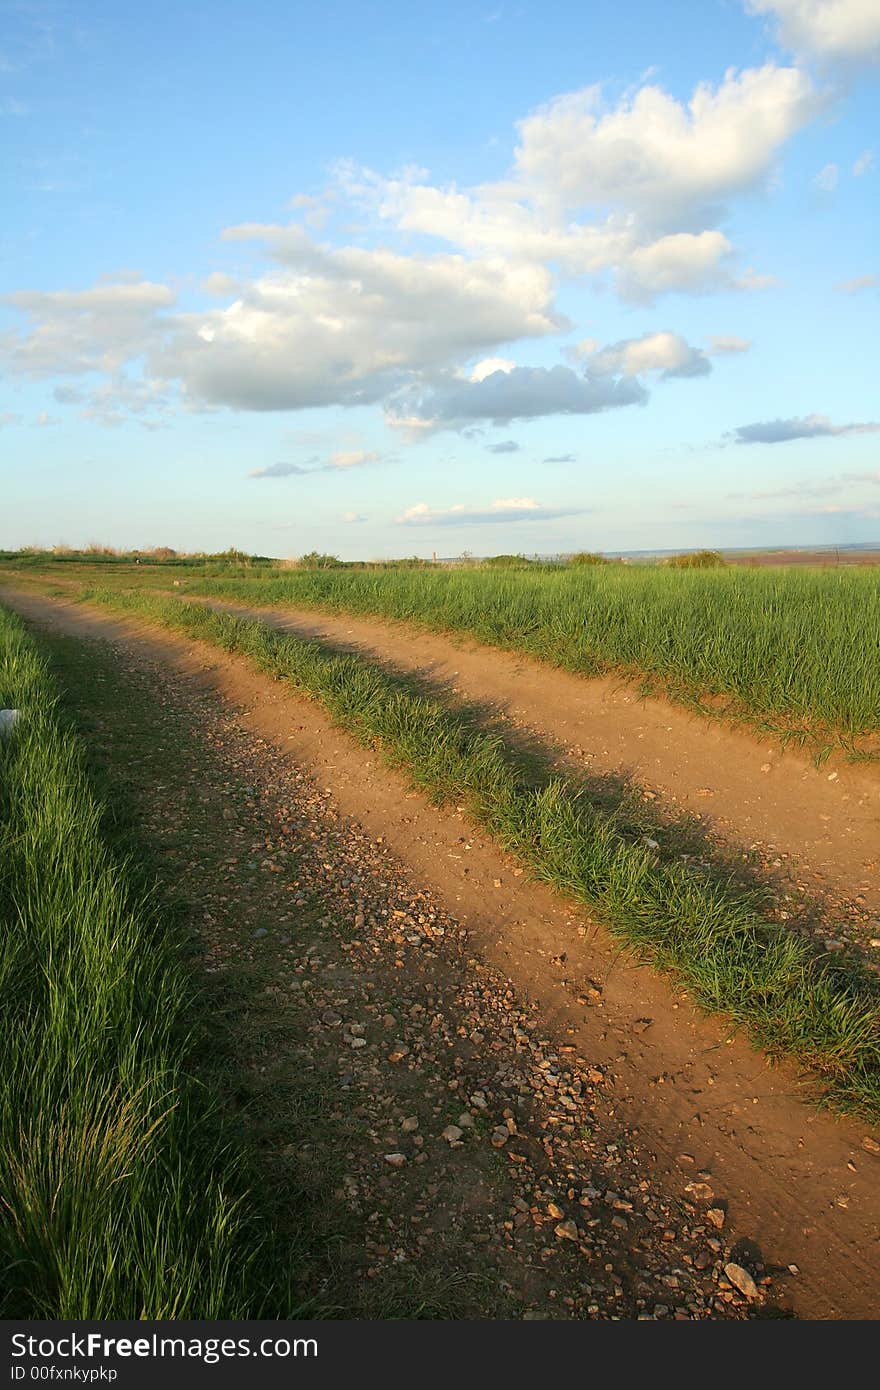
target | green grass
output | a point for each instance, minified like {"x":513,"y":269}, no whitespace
{"x":121,"y":1196}
{"x":710,"y":934}
{"x":797,"y":650}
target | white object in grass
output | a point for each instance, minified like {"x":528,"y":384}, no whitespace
{"x":8,"y":717}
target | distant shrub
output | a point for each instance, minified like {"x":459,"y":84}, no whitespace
{"x":506,"y":562}
{"x":315,"y":561}
{"x":587,"y":557}
{"x":697,"y":560}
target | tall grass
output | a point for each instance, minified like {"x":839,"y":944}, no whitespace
{"x":711,"y":935}
{"x":795,"y":648}
{"x":119,"y":1197}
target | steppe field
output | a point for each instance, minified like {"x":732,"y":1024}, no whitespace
{"x":423,"y":941}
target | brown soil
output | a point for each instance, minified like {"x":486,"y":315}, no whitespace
{"x":796,"y":1181}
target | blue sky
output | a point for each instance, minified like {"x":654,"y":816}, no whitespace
{"x":384,"y":279}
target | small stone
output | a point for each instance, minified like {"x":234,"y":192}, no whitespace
{"x":567,"y":1230}
{"x":395,"y":1160}
{"x":649,"y":843}
{"x":410,"y":1124}
{"x":742,"y":1280}
{"x":261,"y":931}
{"x":700,"y":1191}
{"x":556,"y":1212}
{"x":331,"y":1018}
{"x":716,"y":1217}
{"x":870,"y":1145}
{"x":500,"y":1136}
{"x":452,"y":1134}
{"x":834,"y":945}
{"x":465,"y":1120}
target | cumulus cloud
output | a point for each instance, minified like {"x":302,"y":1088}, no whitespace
{"x":503,"y":509}
{"x":74,"y":331}
{"x":525,"y":393}
{"x":342,"y":327}
{"x":666,"y":353}
{"x":505,"y":446}
{"x":346,"y":327}
{"x":658,"y":157}
{"x":684,"y":261}
{"x":803,"y":427}
{"x":630,"y":190}
{"x":836,"y":30}
{"x":859,"y":282}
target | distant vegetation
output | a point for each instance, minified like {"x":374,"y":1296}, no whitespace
{"x":794,"y":648}
{"x":108,"y":555}
{"x":696,"y":560}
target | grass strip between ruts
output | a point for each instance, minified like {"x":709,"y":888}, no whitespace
{"x":708,"y":933}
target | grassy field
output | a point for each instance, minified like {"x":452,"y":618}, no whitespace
{"x":796,"y":650}
{"x":122,"y":1197}
{"x":708,"y":932}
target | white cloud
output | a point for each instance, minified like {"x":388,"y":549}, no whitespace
{"x":72,"y":331}
{"x":631,"y":190}
{"x":823,"y":487}
{"x":504,"y":509}
{"x":864,"y":164}
{"x":8,"y":418}
{"x":721,"y":345}
{"x":836,"y":30}
{"x":858,"y":282}
{"x":348,"y":326}
{"x":686,"y":261}
{"x":490,"y":365}
{"x":826,"y":179}
{"x":352,"y":518}
{"x":351,"y":458}
{"x":655,"y":156}
{"x":665,"y":352}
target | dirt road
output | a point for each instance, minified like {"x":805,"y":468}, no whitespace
{"x":747,"y":791}
{"x":795,"y":1182}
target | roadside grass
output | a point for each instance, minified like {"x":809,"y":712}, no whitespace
{"x":793,"y":650}
{"x":123,"y":1195}
{"x":707,"y":932}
